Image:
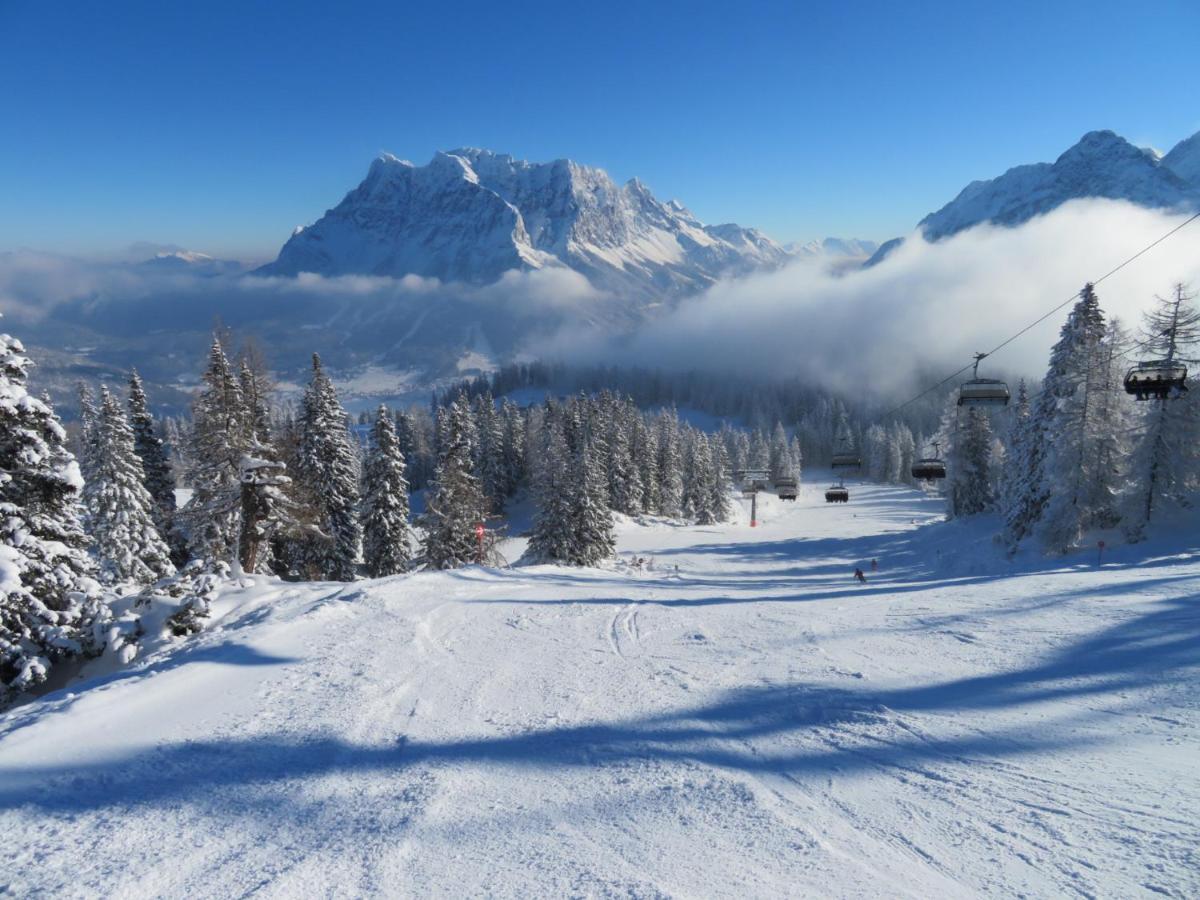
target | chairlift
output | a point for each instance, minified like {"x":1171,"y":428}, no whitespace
{"x":1156,"y":379}
{"x":845,"y":457}
{"x":982,"y":391}
{"x":929,"y":468}
{"x":846,"y":461}
{"x":837,"y":493}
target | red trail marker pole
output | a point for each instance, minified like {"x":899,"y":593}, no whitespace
{"x":479,"y":538}
{"x":1099,"y":552}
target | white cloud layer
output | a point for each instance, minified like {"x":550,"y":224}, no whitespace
{"x":928,"y":307}
{"x":916,"y":317}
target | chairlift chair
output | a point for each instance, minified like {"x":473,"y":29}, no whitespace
{"x":1156,"y":379}
{"x":846,"y":461}
{"x":982,"y":391}
{"x":837,"y":494}
{"x":930,"y":467}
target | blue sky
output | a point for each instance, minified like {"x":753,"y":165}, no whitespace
{"x":220,"y":126}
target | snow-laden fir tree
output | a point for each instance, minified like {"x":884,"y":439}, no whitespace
{"x":759,"y":456}
{"x":875,"y":452}
{"x":89,"y":415}
{"x":624,"y":481}
{"x":719,"y":485}
{"x":969,"y":482}
{"x":645,"y":457}
{"x":1036,"y":462}
{"x":160,"y":479}
{"x":50,"y":605}
{"x":1165,"y":463}
{"x":795,"y":458}
{"x":670,"y":466}
{"x":268,"y":510}
{"x":387,"y":535}
{"x":513,"y":454}
{"x":1070,"y":456}
{"x":700,"y":484}
{"x":1108,"y":463}
{"x":1019,"y":435}
{"x":780,"y":461}
{"x":455,"y":504}
{"x":552,"y":536}
{"x":490,"y":462}
{"x":328,"y":464}
{"x":221,"y":436}
{"x":128,"y":545}
{"x":592,"y":536}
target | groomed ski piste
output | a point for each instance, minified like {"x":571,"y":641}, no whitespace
{"x":735,"y":718}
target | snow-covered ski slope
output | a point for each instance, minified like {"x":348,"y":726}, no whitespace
{"x":754,"y":724}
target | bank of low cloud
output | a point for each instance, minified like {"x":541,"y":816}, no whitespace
{"x":927,"y":307}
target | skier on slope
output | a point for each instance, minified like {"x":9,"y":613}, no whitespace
{"x":859,"y":576}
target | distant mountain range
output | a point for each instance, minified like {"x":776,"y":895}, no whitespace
{"x":1103,"y":164}
{"x":507,"y":253}
{"x":471,"y":215}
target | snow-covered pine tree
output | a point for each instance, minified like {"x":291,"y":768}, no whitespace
{"x":455,"y":503}
{"x":645,"y":457}
{"x":490,"y":465}
{"x":719,"y":483}
{"x":513,"y":424}
{"x":129,"y":547}
{"x":670,"y":466}
{"x":268,"y":511}
{"x":221,"y":435}
{"x":779,"y":459}
{"x":759,"y":456}
{"x":50,"y":605}
{"x":387,"y":535}
{"x":591,"y":522}
{"x":89,"y":415}
{"x":969,"y":471}
{"x":160,"y":479}
{"x":1033,"y":459}
{"x":875,"y":447}
{"x":1165,"y":464}
{"x":1069,"y":458}
{"x":328,"y":464}
{"x":551,"y":539}
{"x":736,"y":446}
{"x":1111,"y":427}
{"x":1016,"y":442}
{"x":700,"y":489}
{"x":795,"y":458}
{"x":624,"y":481}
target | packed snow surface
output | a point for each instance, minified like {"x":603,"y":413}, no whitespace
{"x":738,"y":719}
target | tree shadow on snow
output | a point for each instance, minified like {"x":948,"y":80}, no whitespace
{"x":799,"y":729}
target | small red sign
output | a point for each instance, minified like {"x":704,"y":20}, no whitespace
{"x":478,"y":531}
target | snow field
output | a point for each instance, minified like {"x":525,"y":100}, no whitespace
{"x":753,"y":724}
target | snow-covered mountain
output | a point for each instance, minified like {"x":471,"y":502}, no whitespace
{"x":832,"y":247}
{"x":1184,"y":159}
{"x":471,"y":215}
{"x":191,"y":262}
{"x":1102,"y":164}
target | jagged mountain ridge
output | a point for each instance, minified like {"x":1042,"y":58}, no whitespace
{"x":471,"y":215}
{"x":1102,"y":164}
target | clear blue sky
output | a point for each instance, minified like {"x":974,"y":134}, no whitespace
{"x":221,"y":125}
